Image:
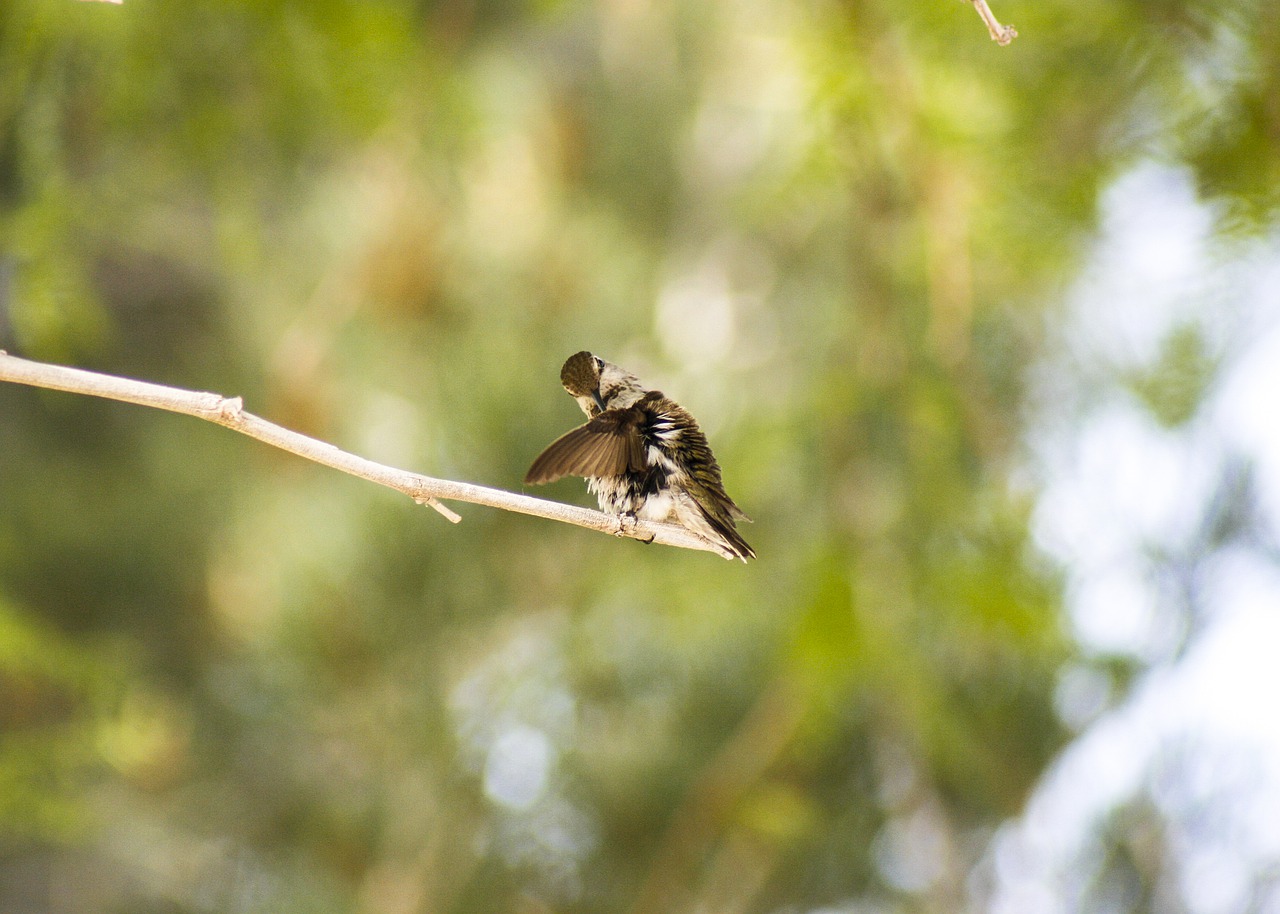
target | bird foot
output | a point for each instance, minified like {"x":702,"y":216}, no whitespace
{"x":627,"y":527}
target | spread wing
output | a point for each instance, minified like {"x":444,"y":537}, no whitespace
{"x":608,"y":445}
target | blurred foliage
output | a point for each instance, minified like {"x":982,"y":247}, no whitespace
{"x":1174,"y":386}
{"x":833,"y":229}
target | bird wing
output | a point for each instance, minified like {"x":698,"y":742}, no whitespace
{"x":701,"y":476}
{"x":608,"y":445}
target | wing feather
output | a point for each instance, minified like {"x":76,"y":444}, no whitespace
{"x":608,"y":445}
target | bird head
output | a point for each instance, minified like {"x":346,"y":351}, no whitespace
{"x":598,"y":385}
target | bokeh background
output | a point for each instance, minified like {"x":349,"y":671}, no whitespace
{"x":987,"y":341}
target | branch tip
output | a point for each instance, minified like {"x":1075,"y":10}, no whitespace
{"x":1000,"y":34}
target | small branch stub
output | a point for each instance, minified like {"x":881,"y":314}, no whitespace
{"x":230,"y":409}
{"x":448,"y":514}
{"x":1000,"y":34}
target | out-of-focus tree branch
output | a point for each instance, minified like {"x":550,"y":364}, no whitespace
{"x":1000,"y":34}
{"x":230,"y":412}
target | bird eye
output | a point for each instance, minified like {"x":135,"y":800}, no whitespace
{"x":599,"y":362}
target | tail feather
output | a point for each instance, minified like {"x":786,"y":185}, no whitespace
{"x":720,"y":530}
{"x":734,"y":539}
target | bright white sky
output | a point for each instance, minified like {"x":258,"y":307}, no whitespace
{"x":1202,"y":730}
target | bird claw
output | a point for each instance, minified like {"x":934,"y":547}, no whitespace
{"x":627,"y":527}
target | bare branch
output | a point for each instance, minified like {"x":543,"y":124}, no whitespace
{"x":230,"y":412}
{"x":1000,"y":34}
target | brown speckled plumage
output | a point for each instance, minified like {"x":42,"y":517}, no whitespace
{"x":642,"y":454}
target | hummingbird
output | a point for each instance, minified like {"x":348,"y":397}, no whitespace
{"x":642,"y":455}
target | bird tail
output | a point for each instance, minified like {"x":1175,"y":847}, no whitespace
{"x":723,"y":531}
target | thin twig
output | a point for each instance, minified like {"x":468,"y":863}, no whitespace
{"x":230,"y":412}
{"x":1000,"y":34}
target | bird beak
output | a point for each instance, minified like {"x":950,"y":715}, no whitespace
{"x":595,"y":395}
